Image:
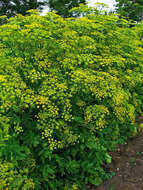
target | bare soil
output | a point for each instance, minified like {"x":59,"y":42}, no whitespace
{"x":127,"y":163}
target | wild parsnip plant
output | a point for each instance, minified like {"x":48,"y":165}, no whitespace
{"x":70,"y":90}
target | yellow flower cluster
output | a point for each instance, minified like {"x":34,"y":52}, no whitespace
{"x":120,"y":113}
{"x":96,"y":115}
{"x":53,"y":143}
{"x":9,"y":175}
{"x":18,"y":129}
{"x":2,"y":79}
{"x":66,"y":114}
{"x":119,"y":97}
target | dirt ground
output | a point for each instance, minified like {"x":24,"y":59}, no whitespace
{"x":127,"y":163}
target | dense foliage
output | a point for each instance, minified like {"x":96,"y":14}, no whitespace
{"x":13,"y":7}
{"x":130,"y":9}
{"x":70,"y":90}
{"x":63,"y":6}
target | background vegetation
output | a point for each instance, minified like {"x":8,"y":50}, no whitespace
{"x":62,"y":7}
{"x":130,"y":9}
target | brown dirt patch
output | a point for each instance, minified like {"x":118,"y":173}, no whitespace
{"x":127,"y":163}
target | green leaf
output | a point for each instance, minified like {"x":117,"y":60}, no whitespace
{"x":108,"y":158}
{"x":98,"y":181}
